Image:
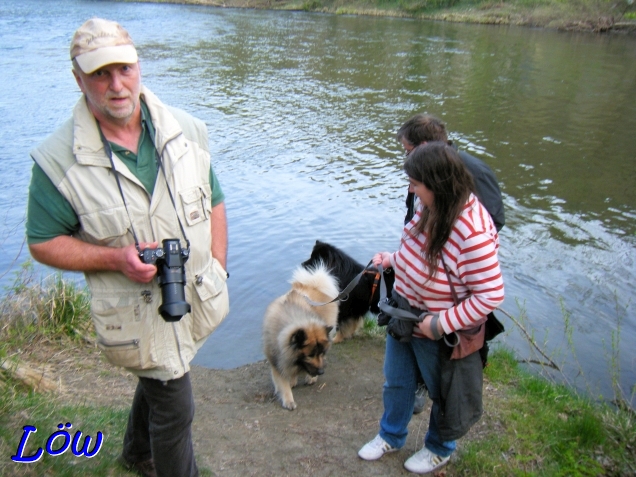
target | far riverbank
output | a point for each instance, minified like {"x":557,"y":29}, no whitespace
{"x":569,"y":15}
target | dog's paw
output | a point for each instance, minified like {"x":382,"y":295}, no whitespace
{"x":311,"y":379}
{"x":291,"y":405}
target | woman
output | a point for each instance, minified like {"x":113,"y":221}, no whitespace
{"x":450,"y":227}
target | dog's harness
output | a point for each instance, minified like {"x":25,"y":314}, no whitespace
{"x":344,"y":294}
{"x":376,"y":282}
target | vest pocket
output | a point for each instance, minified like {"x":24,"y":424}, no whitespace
{"x":210,"y":303}
{"x":196,"y":204}
{"x":106,"y":227}
{"x":121,"y":336}
{"x":121,"y":353}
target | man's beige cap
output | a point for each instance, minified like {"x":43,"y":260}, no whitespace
{"x":100,"y":42}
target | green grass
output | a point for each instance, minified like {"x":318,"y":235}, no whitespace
{"x":19,"y":408}
{"x":53,"y":309}
{"x":547,"y":430}
{"x":370,"y":326}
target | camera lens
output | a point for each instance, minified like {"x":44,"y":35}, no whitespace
{"x":172,"y":279}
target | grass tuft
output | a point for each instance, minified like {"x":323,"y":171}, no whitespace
{"x":54,"y":309}
{"x":370,"y":326}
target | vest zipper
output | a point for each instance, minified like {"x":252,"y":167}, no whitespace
{"x":113,"y":344}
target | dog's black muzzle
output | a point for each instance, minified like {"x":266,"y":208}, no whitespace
{"x":313,"y":371}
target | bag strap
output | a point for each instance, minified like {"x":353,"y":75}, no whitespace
{"x":455,"y":299}
{"x":450,"y":283}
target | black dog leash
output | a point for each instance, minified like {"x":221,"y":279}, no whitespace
{"x":344,"y":294}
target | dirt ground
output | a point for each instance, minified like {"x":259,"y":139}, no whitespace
{"x":240,"y":428}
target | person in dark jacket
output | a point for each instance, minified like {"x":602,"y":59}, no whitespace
{"x":423,"y":128}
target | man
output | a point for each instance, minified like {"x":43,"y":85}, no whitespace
{"x":423,"y":128}
{"x":124,"y":174}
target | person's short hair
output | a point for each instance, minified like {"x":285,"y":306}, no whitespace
{"x":100,"y":42}
{"x":422,"y":128}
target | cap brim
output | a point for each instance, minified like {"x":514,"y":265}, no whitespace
{"x":108,"y":55}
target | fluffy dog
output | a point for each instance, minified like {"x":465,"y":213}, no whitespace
{"x":296,"y":334}
{"x":363,"y":298}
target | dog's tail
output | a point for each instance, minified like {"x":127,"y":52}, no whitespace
{"x":317,"y":277}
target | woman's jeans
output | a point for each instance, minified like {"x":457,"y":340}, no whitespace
{"x":401,"y":363}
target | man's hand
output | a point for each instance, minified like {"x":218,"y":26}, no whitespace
{"x":132,"y":266}
{"x":68,"y":253}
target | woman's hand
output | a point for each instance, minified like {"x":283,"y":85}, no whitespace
{"x":431,"y":327}
{"x":383,"y":258}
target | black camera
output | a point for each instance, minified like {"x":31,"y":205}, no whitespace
{"x":172,"y":277}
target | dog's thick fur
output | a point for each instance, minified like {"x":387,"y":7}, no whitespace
{"x":297,"y":335}
{"x":363,"y":297}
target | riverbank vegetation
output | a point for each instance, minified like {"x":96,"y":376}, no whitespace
{"x":578,"y":15}
{"x":534,"y":427}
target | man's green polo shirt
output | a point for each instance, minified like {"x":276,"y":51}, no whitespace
{"x":50,"y":215}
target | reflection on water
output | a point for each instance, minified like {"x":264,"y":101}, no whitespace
{"x":302,"y":111}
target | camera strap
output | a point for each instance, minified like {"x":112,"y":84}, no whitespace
{"x":109,"y":153}
{"x":174,"y":205}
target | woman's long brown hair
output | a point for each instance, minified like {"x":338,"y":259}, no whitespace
{"x":439,"y":167}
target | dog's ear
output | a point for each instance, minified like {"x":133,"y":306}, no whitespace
{"x":297,"y":340}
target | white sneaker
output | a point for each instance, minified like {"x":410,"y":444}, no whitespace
{"x":375,"y":449}
{"x":424,"y":461}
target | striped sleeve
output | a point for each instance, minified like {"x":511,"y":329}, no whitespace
{"x":475,"y":272}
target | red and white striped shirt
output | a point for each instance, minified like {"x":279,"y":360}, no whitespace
{"x":471,"y":257}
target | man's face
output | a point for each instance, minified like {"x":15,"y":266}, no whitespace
{"x":408,"y":147}
{"x":112,"y":91}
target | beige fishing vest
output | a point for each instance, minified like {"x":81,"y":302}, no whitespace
{"x":130,"y":331}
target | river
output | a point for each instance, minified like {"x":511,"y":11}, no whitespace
{"x":302,"y":110}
